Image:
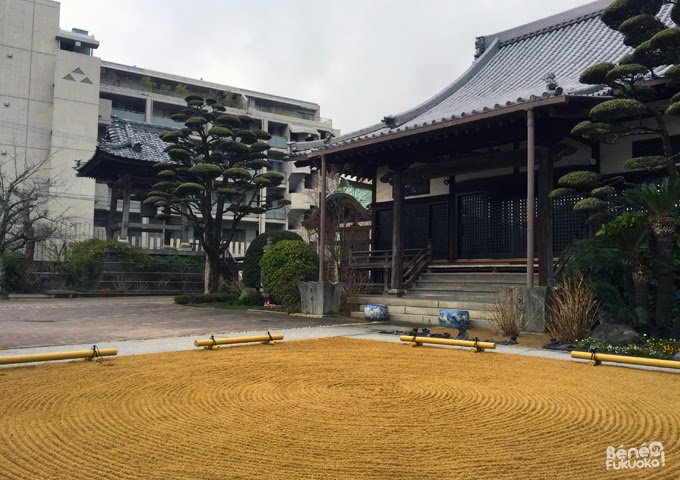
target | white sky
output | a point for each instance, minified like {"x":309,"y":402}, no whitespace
{"x":359,"y":59}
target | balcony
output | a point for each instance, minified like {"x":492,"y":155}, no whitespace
{"x":128,"y":115}
{"x":165,"y":122}
{"x":278,"y":142}
{"x":278,"y":214}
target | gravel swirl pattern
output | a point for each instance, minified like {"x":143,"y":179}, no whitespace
{"x":333,"y":408}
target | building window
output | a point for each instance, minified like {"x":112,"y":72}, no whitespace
{"x":309,"y":181}
{"x":654,"y":146}
{"x":419,"y":186}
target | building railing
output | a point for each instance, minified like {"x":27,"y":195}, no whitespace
{"x":54,"y":250}
{"x":165,"y":122}
{"x":378,"y":264}
{"x":277,"y":214}
{"x":278,"y":142}
{"x":128,"y":115}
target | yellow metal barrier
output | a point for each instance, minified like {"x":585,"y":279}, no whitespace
{"x":214,"y":343}
{"x":91,"y":354}
{"x":598,"y":358}
{"x":476,"y":345}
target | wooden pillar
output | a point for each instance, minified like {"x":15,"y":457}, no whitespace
{"x":124,"y":224}
{"x":453,"y":220}
{"x":530,"y":198}
{"x":113,"y":204}
{"x":397,"y":233}
{"x":544,"y":237}
{"x":322,"y":221}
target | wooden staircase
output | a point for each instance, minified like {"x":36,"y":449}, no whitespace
{"x":471,"y":288}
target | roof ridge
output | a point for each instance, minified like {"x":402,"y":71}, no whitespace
{"x":547,"y":24}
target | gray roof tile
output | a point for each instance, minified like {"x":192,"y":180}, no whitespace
{"x":511,"y":70}
{"x":134,"y":141}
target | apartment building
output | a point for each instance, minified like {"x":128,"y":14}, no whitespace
{"x":57,"y":99}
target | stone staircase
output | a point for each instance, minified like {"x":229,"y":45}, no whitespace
{"x":462,"y":288}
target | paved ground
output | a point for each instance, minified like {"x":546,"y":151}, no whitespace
{"x":36,"y":323}
{"x":141,"y":325}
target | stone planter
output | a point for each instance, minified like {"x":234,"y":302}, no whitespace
{"x":376,"y":313}
{"x":454,"y":318}
{"x":320,"y":298}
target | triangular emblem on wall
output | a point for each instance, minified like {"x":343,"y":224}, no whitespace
{"x":69,"y":77}
{"x":86,"y":80}
{"x":78,"y":70}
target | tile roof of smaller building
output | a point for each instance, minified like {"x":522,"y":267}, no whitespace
{"x":134,"y":141}
{"x":128,"y":146}
{"x":531,"y":62}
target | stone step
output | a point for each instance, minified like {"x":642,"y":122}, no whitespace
{"x":432,"y":311}
{"x":426,"y":319}
{"x":427,"y":302}
{"x":497,"y":278}
{"x":480,"y":268}
{"x":434,"y":288}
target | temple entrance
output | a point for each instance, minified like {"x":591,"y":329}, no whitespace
{"x":424,"y":221}
{"x":494,"y":227}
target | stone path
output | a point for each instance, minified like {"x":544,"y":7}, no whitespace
{"x":37,"y":323}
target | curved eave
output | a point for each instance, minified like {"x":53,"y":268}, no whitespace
{"x":400,"y":134}
{"x":105,"y":166}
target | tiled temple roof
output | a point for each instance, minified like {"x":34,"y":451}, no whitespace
{"x":511,"y":68}
{"x":134,"y":144}
{"x":134,"y":141}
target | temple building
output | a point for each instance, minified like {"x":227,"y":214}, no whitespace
{"x":469,"y":171}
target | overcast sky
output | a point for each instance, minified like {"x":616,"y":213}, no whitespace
{"x":359,"y":59}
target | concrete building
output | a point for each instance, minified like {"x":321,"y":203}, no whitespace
{"x":57,"y":100}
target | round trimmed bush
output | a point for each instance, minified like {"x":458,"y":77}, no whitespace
{"x":283,"y":266}
{"x":251,"y":261}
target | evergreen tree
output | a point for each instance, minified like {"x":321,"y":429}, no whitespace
{"x":649,"y":73}
{"x":215,"y":175}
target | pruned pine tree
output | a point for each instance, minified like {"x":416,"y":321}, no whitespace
{"x":635,"y":87}
{"x":215,"y":176}
{"x":641,"y":84}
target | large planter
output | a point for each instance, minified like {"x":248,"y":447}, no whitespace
{"x":376,"y":313}
{"x":320,"y":298}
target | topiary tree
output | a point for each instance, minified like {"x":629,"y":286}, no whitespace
{"x":654,"y":45}
{"x":215,"y":174}
{"x":633,"y":111}
{"x":251,"y":261}
{"x":283,"y":266}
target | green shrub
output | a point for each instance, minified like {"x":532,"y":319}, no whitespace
{"x":251,"y":261}
{"x":83,"y":262}
{"x":250,"y":296}
{"x":14,"y":264}
{"x":284,"y":265}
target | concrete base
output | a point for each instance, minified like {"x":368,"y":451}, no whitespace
{"x":320,"y":298}
{"x":184,"y":247}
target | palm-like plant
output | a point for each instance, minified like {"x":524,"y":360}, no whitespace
{"x":659,"y":203}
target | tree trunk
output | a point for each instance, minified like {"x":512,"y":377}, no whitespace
{"x":629,"y":285}
{"x":3,"y":292}
{"x":664,"y":278}
{"x":212,"y":270}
